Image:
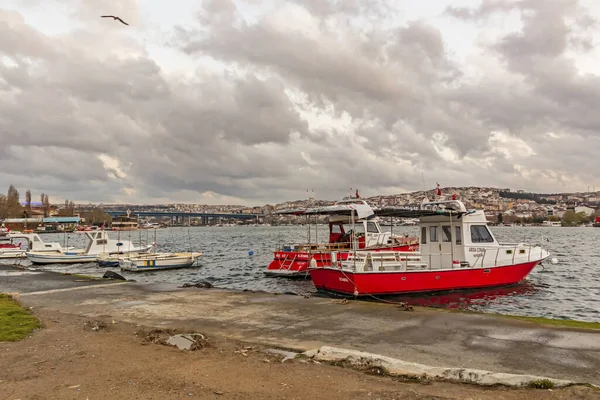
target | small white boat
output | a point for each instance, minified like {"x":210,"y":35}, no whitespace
{"x":108,"y":260}
{"x":158,"y":261}
{"x":98,"y":242}
{"x":34,"y":243}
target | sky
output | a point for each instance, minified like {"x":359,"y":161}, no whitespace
{"x":257,"y":101}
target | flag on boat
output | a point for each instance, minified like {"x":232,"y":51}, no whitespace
{"x":439,"y":191}
{"x":357,"y":193}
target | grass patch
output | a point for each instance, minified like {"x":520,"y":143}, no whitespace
{"x":567,"y":323}
{"x":16,"y":323}
{"x":82,"y":276}
{"x":541,"y":384}
{"x":564,"y":323}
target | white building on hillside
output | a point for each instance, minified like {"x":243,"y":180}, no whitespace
{"x":584,"y":209}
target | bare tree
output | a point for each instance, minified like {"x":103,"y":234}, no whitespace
{"x":3,"y":207}
{"x":12,"y":202}
{"x":46,"y":205}
{"x":28,"y":200}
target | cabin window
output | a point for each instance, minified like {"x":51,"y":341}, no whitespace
{"x":101,"y":241}
{"x":446,"y":234}
{"x":372,"y":228}
{"x":433,"y":233}
{"x":336,"y":229}
{"x":358,"y":228}
{"x":458,"y":236}
{"x":423,"y":235}
{"x":481,"y":234}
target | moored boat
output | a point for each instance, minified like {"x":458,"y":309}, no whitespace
{"x":126,"y":222}
{"x":98,"y":242}
{"x":457,"y":251}
{"x":352,"y":225}
{"x":34,"y":243}
{"x":108,"y":260}
{"x":158,"y":261}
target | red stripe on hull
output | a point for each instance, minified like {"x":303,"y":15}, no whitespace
{"x":387,"y":283}
{"x":292,"y":263}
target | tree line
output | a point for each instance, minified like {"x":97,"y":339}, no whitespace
{"x":11,"y":207}
{"x":538,"y":198}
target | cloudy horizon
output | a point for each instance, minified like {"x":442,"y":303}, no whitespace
{"x":257,"y":101}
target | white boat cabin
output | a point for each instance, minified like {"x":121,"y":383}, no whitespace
{"x":366,"y":233}
{"x":99,"y":242}
{"x":352,"y":224}
{"x":450,"y":238}
{"x":35,"y":242}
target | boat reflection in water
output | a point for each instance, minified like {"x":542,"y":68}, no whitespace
{"x":465,"y":299}
{"x":468,"y":299}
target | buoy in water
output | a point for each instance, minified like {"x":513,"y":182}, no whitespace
{"x":251,"y":252}
{"x":554,"y":260}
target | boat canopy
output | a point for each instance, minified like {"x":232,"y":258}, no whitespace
{"x":360,"y":210}
{"x":425,"y":209}
{"x":363,"y":210}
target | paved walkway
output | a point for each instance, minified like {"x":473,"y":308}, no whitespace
{"x":431,"y":337}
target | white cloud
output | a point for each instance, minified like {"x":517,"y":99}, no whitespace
{"x":112,"y":167}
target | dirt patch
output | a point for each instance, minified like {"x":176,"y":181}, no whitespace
{"x":95,"y":326}
{"x":128,"y":362}
{"x":170,"y":337}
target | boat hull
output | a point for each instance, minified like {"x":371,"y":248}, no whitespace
{"x":149,"y":263}
{"x":294,"y":264}
{"x":64,"y":258}
{"x":11,"y":254}
{"x":107,"y":263}
{"x":335,"y":280}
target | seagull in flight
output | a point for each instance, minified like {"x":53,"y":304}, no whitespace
{"x":115,"y":18}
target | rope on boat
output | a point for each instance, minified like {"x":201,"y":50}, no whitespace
{"x":398,"y":303}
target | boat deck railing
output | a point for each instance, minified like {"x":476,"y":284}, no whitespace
{"x":509,"y":254}
{"x":488,"y":257}
{"x":329,"y":247}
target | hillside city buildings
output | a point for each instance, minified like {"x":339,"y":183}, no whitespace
{"x":513,"y":205}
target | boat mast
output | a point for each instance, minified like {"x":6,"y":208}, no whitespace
{"x":353,"y":240}
{"x":452,"y":234}
{"x":154,"y":241}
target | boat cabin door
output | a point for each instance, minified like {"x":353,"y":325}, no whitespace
{"x":441,"y":244}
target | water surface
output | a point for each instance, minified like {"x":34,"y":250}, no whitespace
{"x":569,"y":289}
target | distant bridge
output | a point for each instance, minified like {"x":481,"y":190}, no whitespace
{"x":180,"y":214}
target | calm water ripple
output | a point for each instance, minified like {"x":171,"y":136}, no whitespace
{"x":569,"y":289}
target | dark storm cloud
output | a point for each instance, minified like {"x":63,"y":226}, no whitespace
{"x":93,"y":109}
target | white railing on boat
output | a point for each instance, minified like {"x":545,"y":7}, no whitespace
{"x":328,"y":247}
{"x":524,"y":249}
{"x":364,"y":260}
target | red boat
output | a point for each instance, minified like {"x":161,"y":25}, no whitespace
{"x":457,"y":251}
{"x":352,"y":225}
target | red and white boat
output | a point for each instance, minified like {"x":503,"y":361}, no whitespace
{"x":352,"y":225}
{"x":4,"y":231}
{"x":456,"y":251}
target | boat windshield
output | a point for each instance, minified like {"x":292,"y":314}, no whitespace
{"x":358,"y":228}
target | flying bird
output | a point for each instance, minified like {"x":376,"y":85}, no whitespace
{"x":115,"y":18}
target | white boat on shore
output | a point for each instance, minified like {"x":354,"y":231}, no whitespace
{"x":98,"y":243}
{"x":158,"y":261}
